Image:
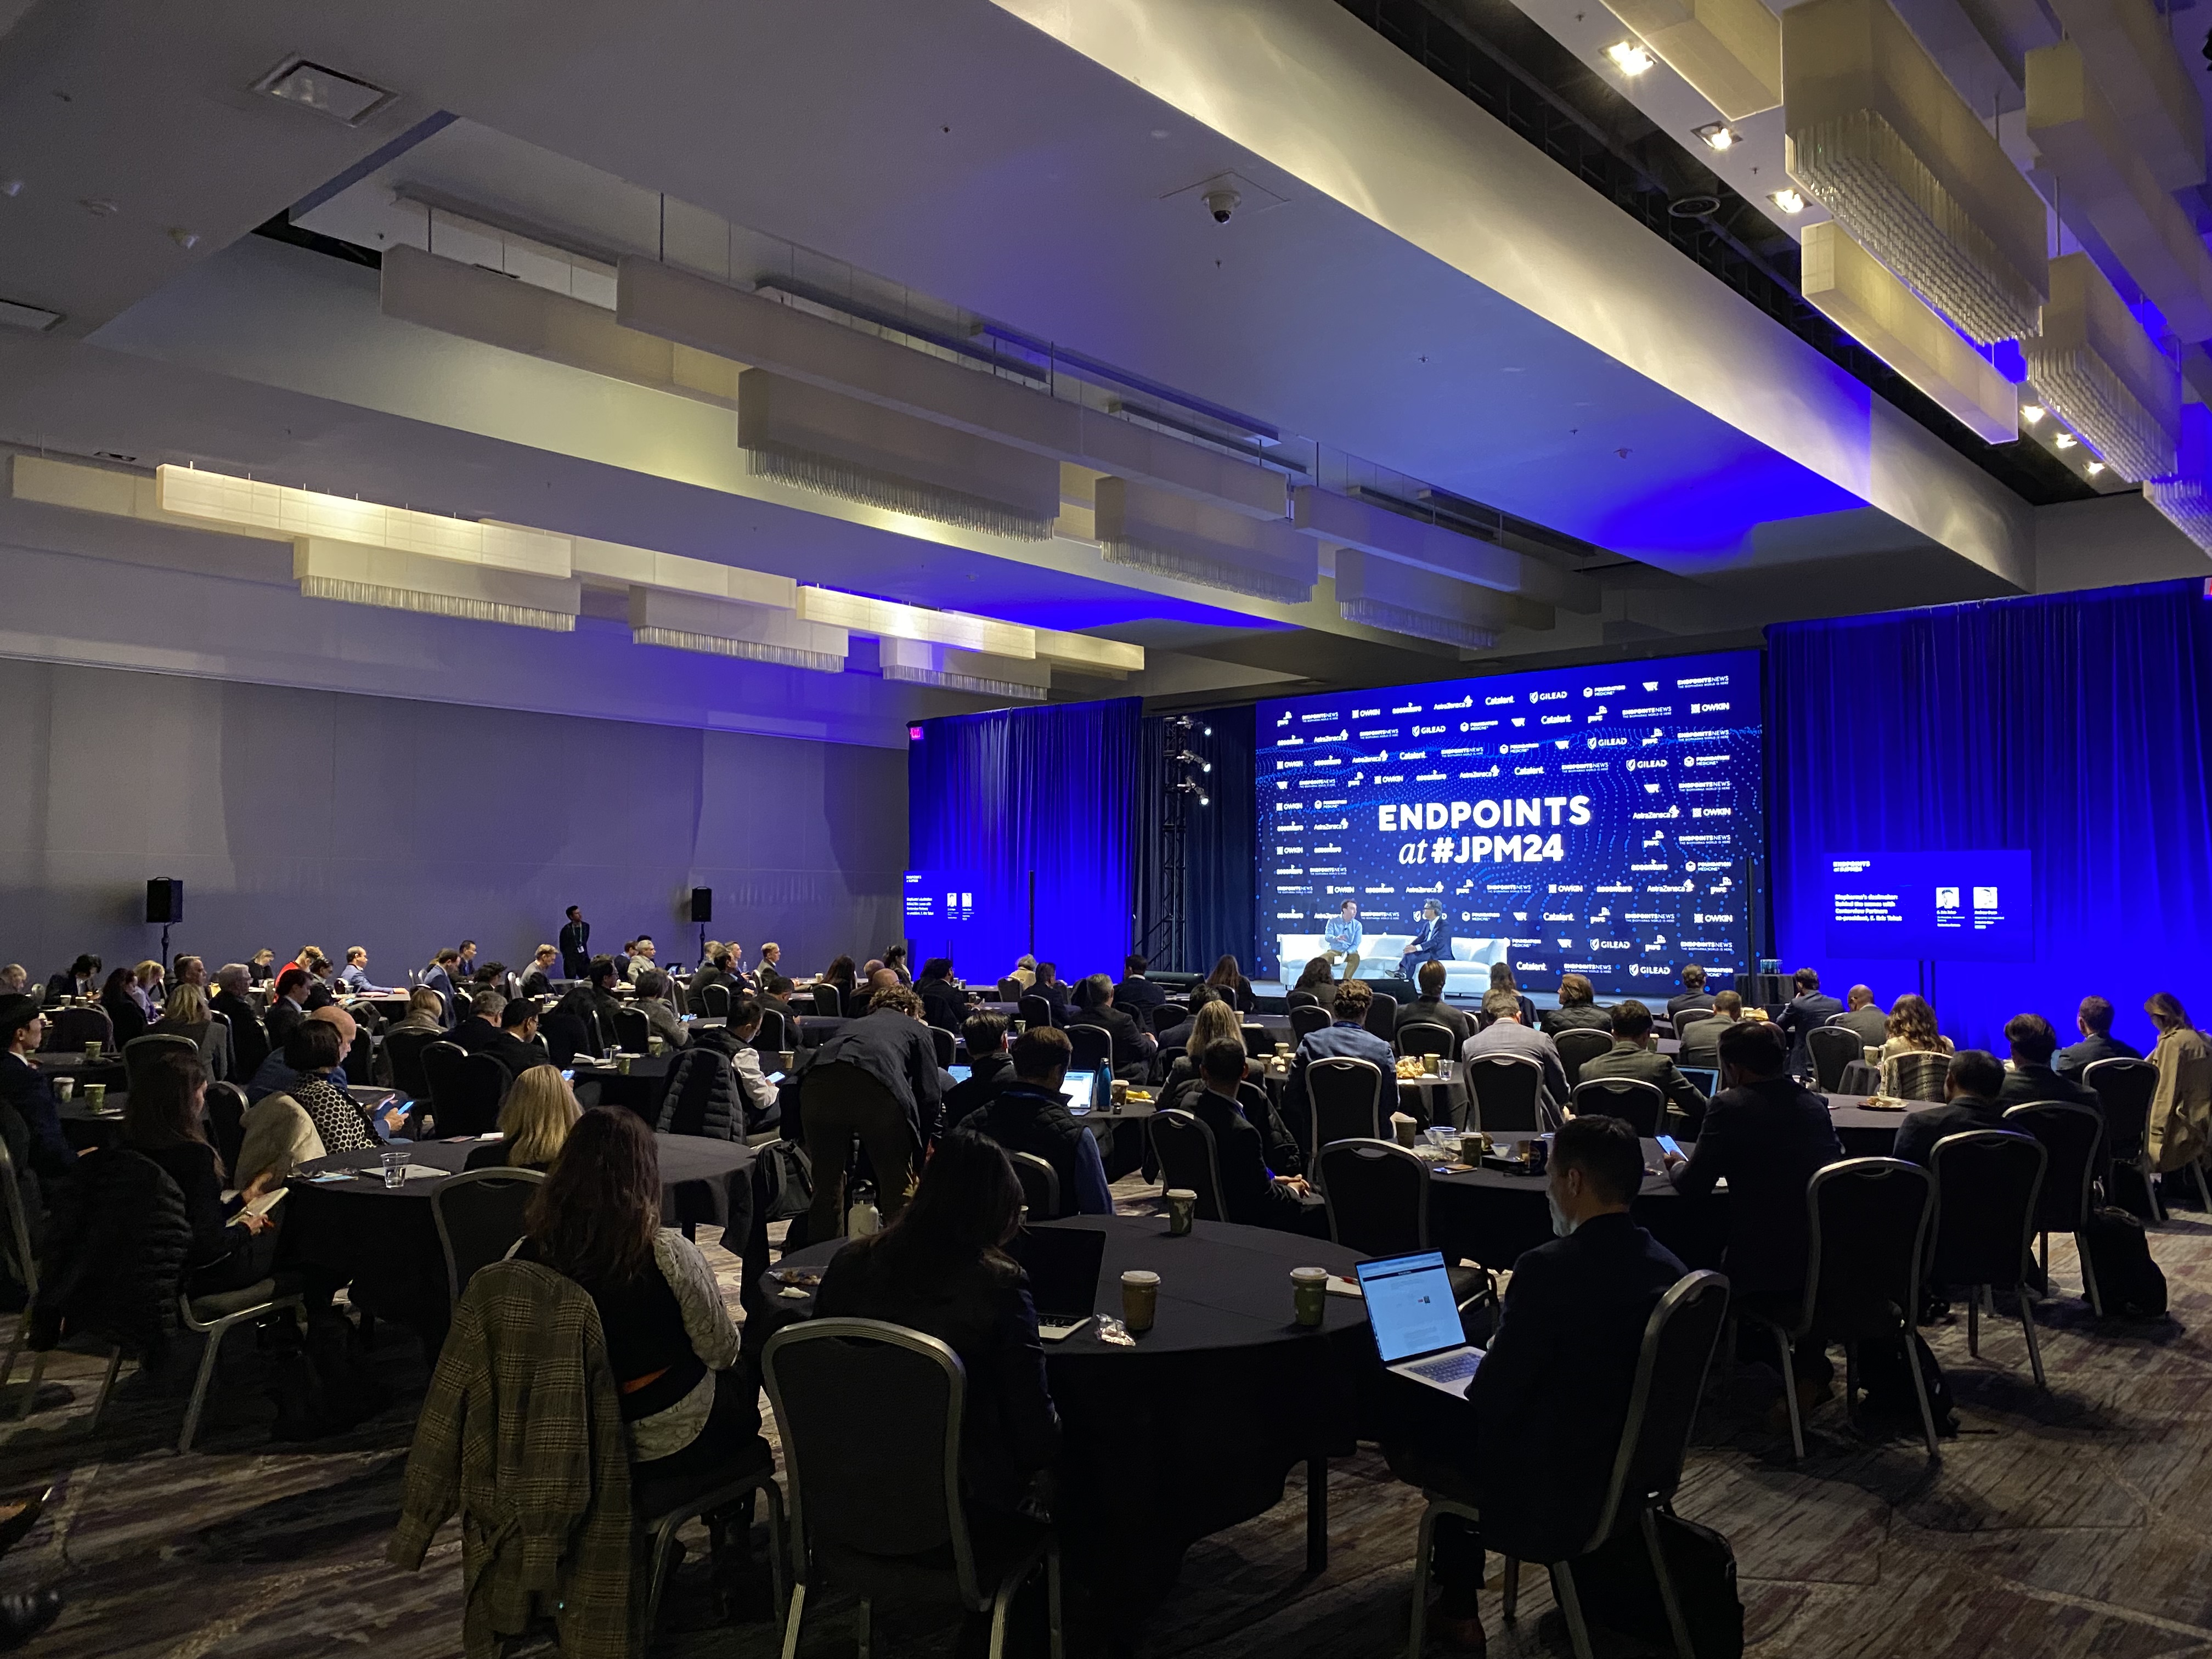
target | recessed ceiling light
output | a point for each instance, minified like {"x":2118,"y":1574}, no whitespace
{"x":1717,"y":135}
{"x":1788,"y":200}
{"x":325,"y":91}
{"x":186,"y":239}
{"x":1628,"y":56}
{"x":34,"y":318}
{"x":2094,"y":468}
{"x":2065,"y":441}
{"x":11,"y":186}
{"x":2032,"y":413}
{"x":99,"y":206}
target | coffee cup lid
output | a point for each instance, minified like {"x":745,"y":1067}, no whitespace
{"x":1139,"y":1276}
{"x":1308,"y":1275}
{"x":1183,"y":1191}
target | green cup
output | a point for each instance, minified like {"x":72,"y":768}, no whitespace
{"x":1309,"y":1293}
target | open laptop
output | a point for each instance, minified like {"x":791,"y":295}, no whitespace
{"x":1080,"y":1090}
{"x":1410,"y":1309}
{"x":1705,"y":1079}
{"x":1063,"y":1265}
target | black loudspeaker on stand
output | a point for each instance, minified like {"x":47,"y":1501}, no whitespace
{"x":702,"y":912}
{"x":165,"y":903}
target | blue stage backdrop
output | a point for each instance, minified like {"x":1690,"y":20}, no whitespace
{"x":1052,"y":790}
{"x":2071,"y":727}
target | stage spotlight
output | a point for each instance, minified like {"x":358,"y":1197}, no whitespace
{"x":2032,"y":413}
{"x":1788,"y":201}
{"x":2065,"y":441}
{"x":1628,"y":56}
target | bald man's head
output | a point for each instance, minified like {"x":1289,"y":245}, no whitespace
{"x":334,"y":1015}
{"x":1861,"y":996}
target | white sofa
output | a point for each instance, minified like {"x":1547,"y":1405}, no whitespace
{"x":1468,"y":974}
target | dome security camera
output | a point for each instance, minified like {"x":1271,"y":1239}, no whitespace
{"x":1221,"y":203}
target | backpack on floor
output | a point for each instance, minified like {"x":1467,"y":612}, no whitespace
{"x":1618,"y":1590}
{"x":1888,"y":1386}
{"x":786,"y":1181}
{"x":2128,"y":1283}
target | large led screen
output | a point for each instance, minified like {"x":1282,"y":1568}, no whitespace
{"x":1597,"y":820}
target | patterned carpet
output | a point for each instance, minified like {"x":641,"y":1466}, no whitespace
{"x":2056,"y":1527}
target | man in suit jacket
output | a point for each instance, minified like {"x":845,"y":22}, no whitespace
{"x":1431,"y":941}
{"x":1552,"y":1396}
{"x":1133,"y":1046}
{"x":1348,"y":1035}
{"x":289,"y":1009}
{"x":944,"y":1003}
{"x":2032,"y":1077}
{"x":1254,"y":1194}
{"x":30,"y":1117}
{"x":575,"y":945}
{"x":80,"y":979}
{"x":769,"y":976}
{"x":1506,"y":1035}
{"x":1864,"y":1017}
{"x":1632,"y":1055}
{"x":516,"y":1044}
{"x":1430,"y":1008}
{"x":2094,"y":1021}
{"x":1694,"y":995}
{"x":1136,"y":995}
{"x":1970,"y":1102}
{"x":249,"y":1038}
{"x":891,"y":1044}
{"x":1808,"y":1008}
{"x":1027,"y":1113}
{"x":481,"y":1029}
{"x":1701,"y":1038}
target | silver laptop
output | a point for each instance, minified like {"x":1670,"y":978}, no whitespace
{"x":1410,"y":1309}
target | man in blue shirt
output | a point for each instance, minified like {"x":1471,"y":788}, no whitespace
{"x":1431,"y":941}
{"x":1340,"y":939}
{"x":1348,"y":1036}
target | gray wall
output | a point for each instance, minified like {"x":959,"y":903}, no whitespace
{"x":315,"y":818}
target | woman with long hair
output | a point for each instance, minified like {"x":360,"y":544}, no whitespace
{"x":1501,"y":979}
{"x":842,"y":974}
{"x":230,"y":1247}
{"x":187,"y":1014}
{"x":2181,"y":1109}
{"x":942,"y":1268}
{"x":534,"y":1121}
{"x":118,"y":996}
{"x":597,"y":1220}
{"x":1912,"y":1027}
{"x":1217,"y":1022}
{"x":1312,"y":990}
{"x":1228,"y":978}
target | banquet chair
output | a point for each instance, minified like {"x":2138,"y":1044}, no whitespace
{"x":714,"y":999}
{"x":1093,"y":1046}
{"x":1679,"y":1340}
{"x":1639,"y":1104}
{"x":1833,"y":1048}
{"x":2124,"y":1088}
{"x":633,"y":1029}
{"x":226,"y":1112}
{"x":1036,"y":1011}
{"x":1040,"y":1186}
{"x":1010,"y":990}
{"x":1378,"y":1194}
{"x":70,"y":1028}
{"x":139,"y":1051}
{"x":869,"y":1415}
{"x":1259,"y":1041}
{"x":828,"y":1001}
{"x":478,"y":1214}
{"x":1502,"y":1093}
{"x":1346,"y":1097}
{"x":23,"y":1266}
{"x":774,"y":1033}
{"x":403,"y":1051}
{"x":1306,"y":1019}
{"x":465,"y":1090}
{"x":1184,"y":1146}
{"x":1986,"y":1186}
{"x":2073,"y":1140}
{"x":943,"y":1045}
{"x":1167,"y":1016}
{"x":1426,"y":1037}
{"x":1916,"y":1075}
{"x":1383,"y":1015}
{"x":1862,"y":1274}
{"x":1577,"y":1046}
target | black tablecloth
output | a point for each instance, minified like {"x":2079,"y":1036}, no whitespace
{"x":384,"y":1241}
{"x":642,"y":1090}
{"x":1864,"y":1131}
{"x":1491,"y":1217}
{"x":815,"y":1030}
{"x":1194,"y":1429}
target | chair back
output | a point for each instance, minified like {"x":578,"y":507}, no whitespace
{"x":1833,"y":1048}
{"x":1259,"y":1041}
{"x":139,"y":1050}
{"x":947,"y":1048}
{"x":1383,"y":1015}
{"x":1166,"y":1015}
{"x":701,"y":1072}
{"x":829,"y":1001}
{"x":1868,"y":1222}
{"x":405,"y":1051}
{"x":2124,"y":1089}
{"x":1916,"y":1075}
{"x":633,"y":1029}
{"x":226,"y":1110}
{"x":1346,"y":1095}
{"x":22,"y":1261}
{"x":1986,"y":1183}
{"x":70,"y":1028}
{"x":869,"y":1415}
{"x":1040,"y":1185}
{"x":1579,"y":1044}
{"x":2073,"y":1140}
{"x":1679,"y":1340}
{"x":1093,"y":1046}
{"x":1037,"y":1010}
{"x":1502,"y":1091}
{"x":1184,"y":1148}
{"x":1379,"y":1196}
{"x":1638,"y":1104}
{"x":441,"y":1071}
{"x":468,"y":1105}
{"x":1426,"y":1037}
{"x":1010,"y":990}
{"x":1306,"y":1019}
{"x":714,"y":999}
{"x":479,"y":1217}
{"x":774,"y":1033}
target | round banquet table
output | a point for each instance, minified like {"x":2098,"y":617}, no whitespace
{"x":1859,"y":1078}
{"x":1492,"y":1216}
{"x":642,"y":1088}
{"x":1194,"y":1429}
{"x":384,"y":1241}
{"x":1121,"y":1134}
{"x":1867,"y":1131}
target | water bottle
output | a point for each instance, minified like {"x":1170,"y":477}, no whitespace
{"x":1102,"y":1099}
{"x":863,"y":1217}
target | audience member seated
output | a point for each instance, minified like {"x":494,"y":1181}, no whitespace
{"x":2094,"y":1019}
{"x":1912,"y":1027}
{"x":1027,"y":1114}
{"x":1544,"y":1414}
{"x":1228,"y":980}
{"x":656,"y":1000}
{"x":988,"y":1063}
{"x":895,"y":959}
{"x":2032,"y":1077}
{"x":354,"y":976}
{"x":942,"y":1269}
{"x":721,"y":969}
{"x":1136,"y":995}
{"x":120,"y":997}
{"x":1254,"y":1194}
{"x":311,"y":1055}
{"x":2181,"y":1109}
{"x":1635,"y":1054}
{"x":481,"y":1029}
{"x":1133,"y":1046}
{"x":537,"y":978}
{"x":1694,"y":995}
{"x":1509,"y":1033}
{"x":15,"y":979}
{"x":80,"y":979}
{"x":426,"y":1012}
{"x":839,"y":974}
{"x":440,"y":977}
{"x":235,"y":1002}
{"x":876,"y":977}
{"x":1864,"y":1018}
{"x":1430,"y":1008}
{"x":944,"y":1003}
{"x":1811,"y":1006}
{"x":1048,"y":985}
{"x":770,"y":978}
{"x":1346,"y":1035}
{"x":534,"y":1121}
{"x":1214,"y":1022}
{"x":591,"y":1006}
{"x":642,"y":952}
{"x":231,"y":1248}
{"x":276,"y":1074}
{"x":761,"y":1097}
{"x":149,"y":985}
{"x":1767,"y":1135}
{"x":517,"y":1046}
{"x":891,"y":1043}
{"x":1314,"y":985}
{"x":289,"y":1007}
{"x":1025,"y":974}
{"x":691,"y":1410}
{"x":1178,"y":1035}
{"x":1970,"y":1102}
{"x":1577,"y":1010}
{"x":262,"y":965}
{"x":1701,"y":1038}
{"x":186,"y":1014}
{"x":30,"y":1116}
{"x":1501,"y":979}
{"x":465,"y":965}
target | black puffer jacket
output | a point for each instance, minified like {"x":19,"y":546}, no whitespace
{"x":702,"y":1097}
{"x":115,"y":1256}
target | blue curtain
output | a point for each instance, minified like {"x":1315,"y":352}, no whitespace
{"x":2073,"y":726}
{"x":1051,"y":790}
{"x":1220,"y":889}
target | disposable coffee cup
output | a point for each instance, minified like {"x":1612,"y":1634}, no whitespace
{"x":785,"y":1058}
{"x":1182,"y":1209}
{"x":1471,"y":1149}
{"x":95,"y":1096}
{"x":1140,"y":1298}
{"x":1282,"y":1051}
{"x":622,"y":1063}
{"x":64,"y":1087}
{"x":1121,"y":1091}
{"x":92,"y":1049}
{"x":1403,"y":1129}
{"x":1874,"y":1056}
{"x":1430,"y":1066}
{"x":1309,"y":1294}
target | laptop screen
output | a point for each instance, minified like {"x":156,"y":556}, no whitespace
{"x":1080,"y":1090}
{"x":1704,"y":1079}
{"x":1410,"y":1306}
{"x":959,"y":1073}
{"x":1063,"y":1265}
